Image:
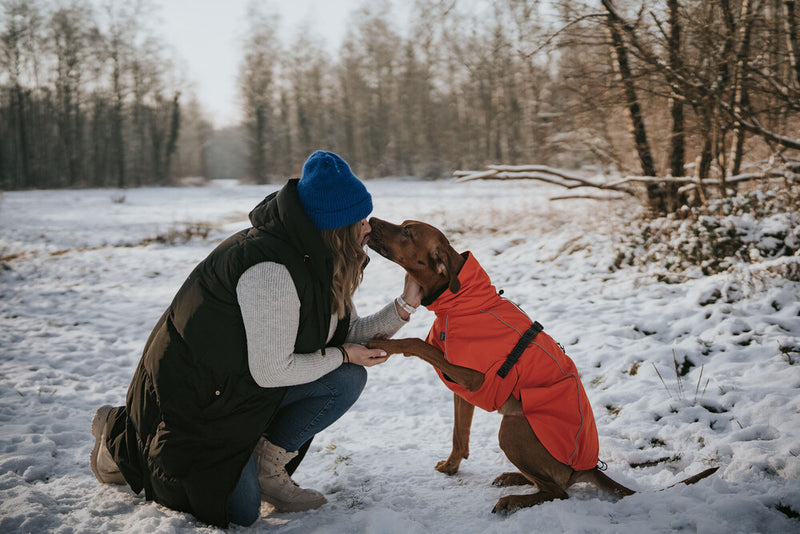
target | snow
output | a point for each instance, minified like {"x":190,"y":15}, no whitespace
{"x":83,"y":280}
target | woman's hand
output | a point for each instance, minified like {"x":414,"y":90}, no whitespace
{"x":412,"y":295}
{"x":361,"y":355}
{"x":412,"y":292}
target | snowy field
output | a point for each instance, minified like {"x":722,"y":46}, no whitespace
{"x":83,"y":280}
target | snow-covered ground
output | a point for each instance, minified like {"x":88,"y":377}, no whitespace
{"x":84,"y":279}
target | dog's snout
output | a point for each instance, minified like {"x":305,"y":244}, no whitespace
{"x":375,"y":226}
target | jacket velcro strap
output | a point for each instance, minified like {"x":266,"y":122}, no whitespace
{"x":519,"y":348}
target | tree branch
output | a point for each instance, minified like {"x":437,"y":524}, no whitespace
{"x":563,"y":178}
{"x":552,"y":37}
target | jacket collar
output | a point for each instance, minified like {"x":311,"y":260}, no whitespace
{"x":476,"y":291}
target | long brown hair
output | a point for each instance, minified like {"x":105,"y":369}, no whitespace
{"x":349,"y":259}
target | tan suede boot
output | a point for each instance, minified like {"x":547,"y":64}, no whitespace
{"x":277,"y":488}
{"x":102,"y":463}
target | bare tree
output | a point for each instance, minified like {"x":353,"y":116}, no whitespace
{"x":620,"y":47}
{"x":307,"y":99}
{"x":375,"y":62}
{"x":19,"y":32}
{"x":86,"y":96}
{"x":72,"y":36}
{"x":194,"y":133}
{"x":674,"y":47}
{"x":257,"y":86}
{"x":739,"y":97}
{"x":790,"y":20}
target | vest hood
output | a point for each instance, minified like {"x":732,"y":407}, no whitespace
{"x":281,"y":214}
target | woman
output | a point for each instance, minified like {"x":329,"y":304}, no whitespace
{"x":260,"y":349}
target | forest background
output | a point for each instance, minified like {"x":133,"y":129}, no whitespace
{"x":680,"y":88}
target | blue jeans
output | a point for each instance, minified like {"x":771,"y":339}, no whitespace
{"x":306,"y":410}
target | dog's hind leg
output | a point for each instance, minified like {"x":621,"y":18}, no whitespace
{"x":512,"y":406}
{"x":526,"y":452}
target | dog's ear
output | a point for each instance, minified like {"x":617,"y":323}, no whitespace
{"x":445,"y":267}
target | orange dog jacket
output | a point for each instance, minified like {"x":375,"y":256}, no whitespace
{"x":477,"y":328}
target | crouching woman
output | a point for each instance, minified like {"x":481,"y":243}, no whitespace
{"x":260,"y":349}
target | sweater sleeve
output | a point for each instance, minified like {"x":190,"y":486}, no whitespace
{"x":386,"y":322}
{"x":271,"y":314}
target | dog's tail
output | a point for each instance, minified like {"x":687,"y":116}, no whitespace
{"x":602,"y":481}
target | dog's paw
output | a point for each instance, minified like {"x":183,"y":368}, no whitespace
{"x":511,"y":479}
{"x":509,"y":503}
{"x":447,"y":467}
{"x":505,"y":505}
{"x":512,"y":503}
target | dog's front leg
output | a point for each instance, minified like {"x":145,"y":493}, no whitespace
{"x":462,"y":412}
{"x":463,"y":376}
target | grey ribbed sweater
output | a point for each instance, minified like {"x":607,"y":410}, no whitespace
{"x":271,"y":314}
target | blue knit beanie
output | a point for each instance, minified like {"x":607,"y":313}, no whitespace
{"x":331,"y":195}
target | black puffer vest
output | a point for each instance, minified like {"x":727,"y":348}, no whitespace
{"x":193,"y":412}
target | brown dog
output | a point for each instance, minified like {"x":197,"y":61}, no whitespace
{"x":425,"y":253}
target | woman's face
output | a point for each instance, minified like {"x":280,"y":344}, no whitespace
{"x":365,"y":230}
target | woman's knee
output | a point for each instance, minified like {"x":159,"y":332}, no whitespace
{"x":352,"y":378}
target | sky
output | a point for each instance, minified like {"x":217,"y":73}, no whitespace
{"x":207,"y":34}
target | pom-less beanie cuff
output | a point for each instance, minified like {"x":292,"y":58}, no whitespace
{"x":331,"y":195}
{"x":328,"y":220}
